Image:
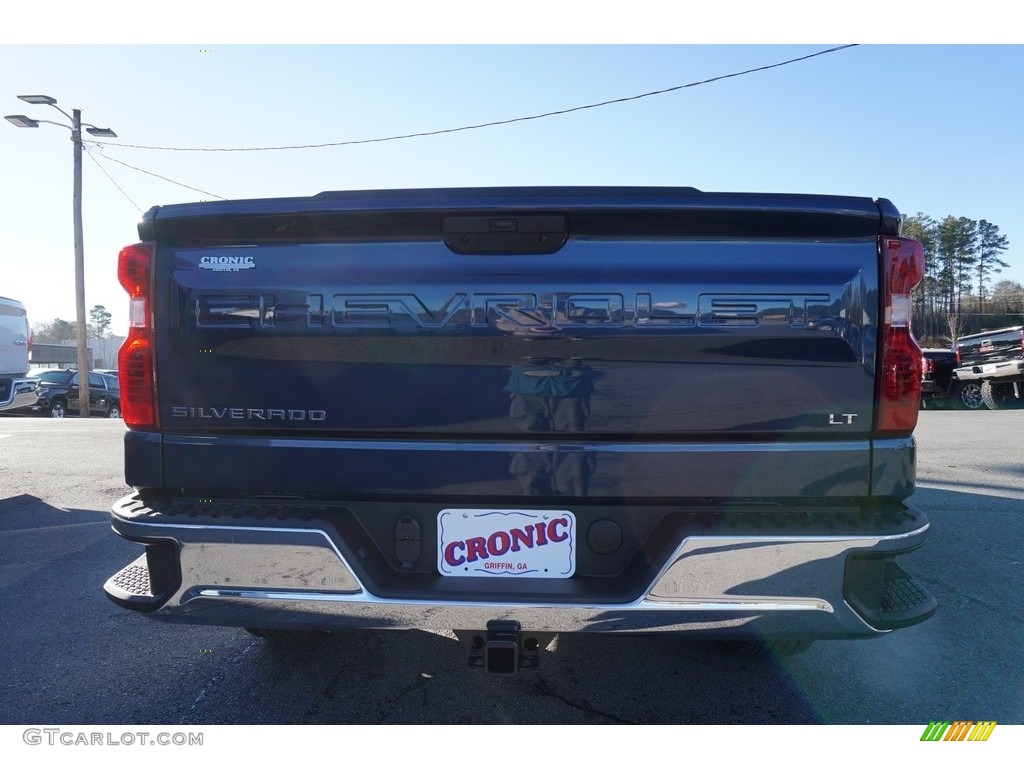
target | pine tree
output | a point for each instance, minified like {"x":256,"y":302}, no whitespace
{"x":957,"y":256}
{"x":990,"y":245}
{"x":99,"y":328}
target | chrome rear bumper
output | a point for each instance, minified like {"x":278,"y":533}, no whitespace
{"x":294,"y":576}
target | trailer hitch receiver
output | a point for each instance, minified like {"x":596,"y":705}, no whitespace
{"x":504,"y":648}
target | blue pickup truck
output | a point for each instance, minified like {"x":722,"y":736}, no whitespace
{"x":516,"y":412}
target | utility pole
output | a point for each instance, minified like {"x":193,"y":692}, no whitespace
{"x":83,"y":328}
{"x":22,"y":121}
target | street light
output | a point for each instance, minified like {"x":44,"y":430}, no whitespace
{"x":22,"y":121}
{"x":40,"y":100}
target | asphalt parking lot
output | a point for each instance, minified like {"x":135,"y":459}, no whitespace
{"x":71,"y":656}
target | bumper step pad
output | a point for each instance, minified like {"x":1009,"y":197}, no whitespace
{"x":904,"y":601}
{"x":898,"y":601}
{"x":903,"y":595}
{"x":132,"y":587}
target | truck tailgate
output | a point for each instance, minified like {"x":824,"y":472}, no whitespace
{"x":647,"y":325}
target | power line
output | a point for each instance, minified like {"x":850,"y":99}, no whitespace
{"x":98,"y":165}
{"x":493,"y":123}
{"x":172,"y":181}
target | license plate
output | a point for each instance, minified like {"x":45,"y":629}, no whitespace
{"x":506,"y":543}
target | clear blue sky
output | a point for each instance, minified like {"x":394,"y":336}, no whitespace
{"x":936,"y":129}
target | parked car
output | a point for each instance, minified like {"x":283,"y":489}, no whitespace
{"x":57,"y":394}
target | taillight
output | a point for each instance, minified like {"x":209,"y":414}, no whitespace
{"x":136,"y":358}
{"x":899,"y":386}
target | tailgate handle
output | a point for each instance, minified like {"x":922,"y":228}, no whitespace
{"x":505,"y":234}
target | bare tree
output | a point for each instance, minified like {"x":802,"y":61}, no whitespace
{"x":56,"y":331}
{"x":956,"y":325}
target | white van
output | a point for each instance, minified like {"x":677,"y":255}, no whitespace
{"x":16,"y":389}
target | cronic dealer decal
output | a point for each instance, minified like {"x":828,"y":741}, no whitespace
{"x":227,"y":263}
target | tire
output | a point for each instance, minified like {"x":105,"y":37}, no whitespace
{"x":968,"y":395}
{"x":777,"y":647}
{"x":114,"y":412}
{"x":58,"y":410}
{"x":998,"y":396}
